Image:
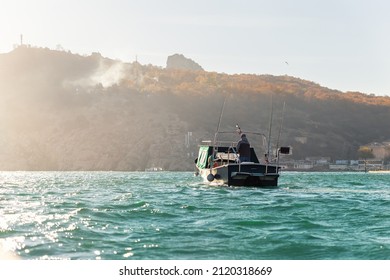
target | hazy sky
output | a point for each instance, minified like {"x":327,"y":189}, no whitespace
{"x":340,"y":44}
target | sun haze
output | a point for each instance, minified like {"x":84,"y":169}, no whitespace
{"x":342,"y":45}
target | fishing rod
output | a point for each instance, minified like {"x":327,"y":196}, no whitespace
{"x":220,"y":118}
{"x":270,"y":127}
{"x":281,"y":125}
{"x":280,"y":132}
{"x":215,"y":136}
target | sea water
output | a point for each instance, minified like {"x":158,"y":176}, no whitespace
{"x":174,"y":216}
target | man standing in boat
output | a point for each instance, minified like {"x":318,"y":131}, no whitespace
{"x":243,"y":149}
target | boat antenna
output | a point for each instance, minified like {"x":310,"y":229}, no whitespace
{"x":270,"y":127}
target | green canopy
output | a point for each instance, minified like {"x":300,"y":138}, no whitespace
{"x":203,"y":156}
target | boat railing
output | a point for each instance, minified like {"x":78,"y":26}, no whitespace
{"x":233,"y":143}
{"x":225,"y":144}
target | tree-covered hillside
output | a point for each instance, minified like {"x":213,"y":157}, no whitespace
{"x":63,"y":111}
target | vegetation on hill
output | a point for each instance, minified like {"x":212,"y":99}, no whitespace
{"x":63,"y":111}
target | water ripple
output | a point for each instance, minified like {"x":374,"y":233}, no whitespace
{"x":167,"y":215}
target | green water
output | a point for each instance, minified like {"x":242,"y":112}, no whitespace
{"x":172,"y":215}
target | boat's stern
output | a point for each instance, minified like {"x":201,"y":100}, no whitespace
{"x":243,"y":174}
{"x":222,"y":167}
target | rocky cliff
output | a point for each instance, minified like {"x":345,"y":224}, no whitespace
{"x":179,"y":61}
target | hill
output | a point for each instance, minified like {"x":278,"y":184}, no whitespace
{"x":63,"y":111}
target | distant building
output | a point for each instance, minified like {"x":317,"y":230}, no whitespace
{"x":342,"y":162}
{"x":354,"y":162}
{"x":370,"y":165}
{"x":339,"y":167}
{"x":318,"y":160}
{"x":303,"y":165}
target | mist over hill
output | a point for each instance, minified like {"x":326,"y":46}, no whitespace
{"x":63,"y":111}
